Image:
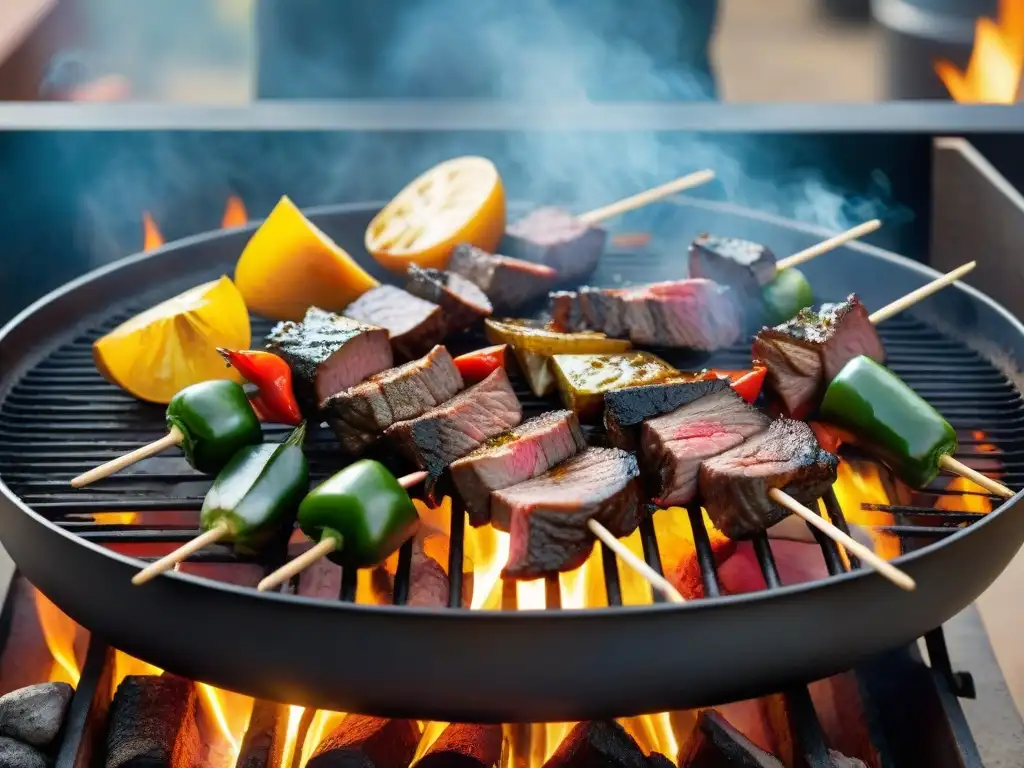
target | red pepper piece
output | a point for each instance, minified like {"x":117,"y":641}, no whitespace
{"x":273,"y":378}
{"x":746,"y":384}
{"x":478,"y":365}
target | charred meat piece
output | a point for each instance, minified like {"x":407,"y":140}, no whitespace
{"x":360,"y":414}
{"x":804,"y":354}
{"x":547,"y":516}
{"x":566,"y":313}
{"x":509,"y":283}
{"x":742,"y":265}
{"x":460,"y":300}
{"x":598,"y":309}
{"x":414,"y":325}
{"x":672,"y":446}
{"x":625,"y":410}
{"x":735,"y":484}
{"x":530,"y":449}
{"x":584,"y":380}
{"x":435,"y":439}
{"x":693,"y":314}
{"x":329,"y":353}
{"x":716,"y":744}
{"x":557,"y":239}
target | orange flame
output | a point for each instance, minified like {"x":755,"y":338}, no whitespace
{"x":235,"y":214}
{"x":993,"y":74}
{"x":151,"y":237}
{"x":59,"y":632}
{"x":229,"y":712}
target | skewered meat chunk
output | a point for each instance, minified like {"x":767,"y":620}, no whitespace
{"x":735,"y":484}
{"x":460,"y":300}
{"x":598,"y":743}
{"x":530,"y":449}
{"x":804,"y":354}
{"x":436,"y":438}
{"x":360,"y":414}
{"x":557,"y":239}
{"x":547,"y":516}
{"x":508,"y":283}
{"x":625,"y":410}
{"x":742,"y":265}
{"x":716,"y":744}
{"x":414,"y":325}
{"x":672,"y":446}
{"x":566,"y":312}
{"x":329,"y":353}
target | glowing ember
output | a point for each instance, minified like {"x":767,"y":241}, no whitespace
{"x":60,"y":633}
{"x":235,"y":214}
{"x":291,"y":735}
{"x":230,"y":712}
{"x":151,"y":237}
{"x":993,"y":74}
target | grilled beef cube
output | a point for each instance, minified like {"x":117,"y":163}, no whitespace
{"x":672,"y":446}
{"x":605,"y":310}
{"x":693,"y":314}
{"x":530,"y":449}
{"x":360,"y":414}
{"x":804,"y":354}
{"x":566,"y":312}
{"x":557,"y":239}
{"x":625,"y":410}
{"x":329,"y":353}
{"x":461,"y":302}
{"x":508,"y":283}
{"x":735,"y":484}
{"x":547,"y":516}
{"x":716,"y":744}
{"x":414,"y":325}
{"x":594,"y":743}
{"x":436,"y":438}
{"x":742,"y":265}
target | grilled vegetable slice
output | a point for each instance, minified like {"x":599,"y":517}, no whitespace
{"x":478,"y":365}
{"x":583,"y":379}
{"x":272,"y":376}
{"x":531,"y":337}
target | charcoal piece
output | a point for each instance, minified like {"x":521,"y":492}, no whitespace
{"x":465,"y":746}
{"x":598,"y":743}
{"x":413,"y":324}
{"x":152,"y":724}
{"x":360,"y":741}
{"x":34,"y":715}
{"x":557,"y":239}
{"x":839,"y":760}
{"x":625,"y":410}
{"x":14,"y":754}
{"x":658,"y":760}
{"x":462,"y":302}
{"x":717,"y":744}
{"x":507,"y":282}
{"x":263,"y":743}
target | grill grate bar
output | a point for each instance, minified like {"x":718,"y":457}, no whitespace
{"x":456,"y":560}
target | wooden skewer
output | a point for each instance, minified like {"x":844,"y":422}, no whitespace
{"x":167,"y":562}
{"x":923,"y":292}
{"x":641,"y":199}
{"x":172,"y":438}
{"x":827,"y":245}
{"x":322,"y":549}
{"x":958,"y":468}
{"x":851,"y":545}
{"x":655,"y":579}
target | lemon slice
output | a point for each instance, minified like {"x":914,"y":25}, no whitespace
{"x":458,"y":201}
{"x":290,"y":265}
{"x":161,"y":351}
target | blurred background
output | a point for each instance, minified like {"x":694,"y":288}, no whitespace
{"x":209,"y":51}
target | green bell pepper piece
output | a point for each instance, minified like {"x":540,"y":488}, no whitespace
{"x":216,"y":420}
{"x":890,"y":420}
{"x":364,"y":509}
{"x":258,"y":492}
{"x":785,"y":296}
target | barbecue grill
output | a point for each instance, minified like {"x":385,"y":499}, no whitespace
{"x":59,"y":417}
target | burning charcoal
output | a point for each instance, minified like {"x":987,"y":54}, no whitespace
{"x":14,"y":754}
{"x":626,"y":409}
{"x":465,"y":746}
{"x":441,"y":435}
{"x":658,"y":760}
{"x":718,"y":745}
{"x":368,"y":742}
{"x":461,"y":302}
{"x":414,"y":325}
{"x":599,"y":742}
{"x":740,"y":264}
{"x":328,"y":353}
{"x":557,"y":239}
{"x":508,"y":283}
{"x":152,"y":724}
{"x":35,"y":714}
{"x":263,"y":744}
{"x":359,"y":415}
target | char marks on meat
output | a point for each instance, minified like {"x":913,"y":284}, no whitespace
{"x":460,"y":300}
{"x":414,"y":324}
{"x":739,"y":264}
{"x":625,"y":410}
{"x":360,"y":414}
{"x":604,"y":309}
{"x":547,"y":516}
{"x":557,"y":239}
{"x":692,"y":314}
{"x":508,"y":283}
{"x":807,"y":352}
{"x":329,"y":353}
{"x":436,"y":438}
{"x":566,"y":313}
{"x":672,"y":446}
{"x":735,"y":484}
{"x":530,"y":449}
